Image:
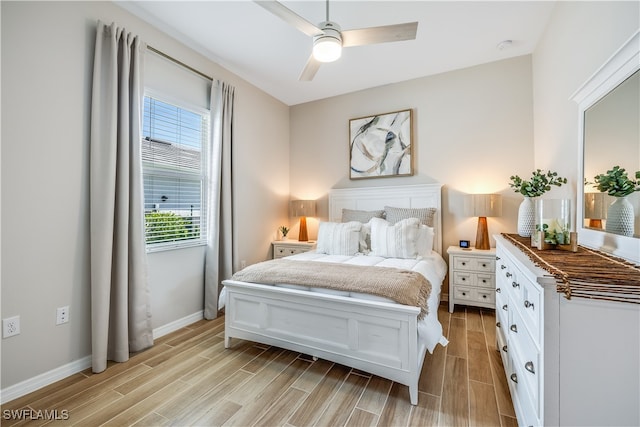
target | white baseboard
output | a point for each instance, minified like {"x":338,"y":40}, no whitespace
{"x":177,"y":324}
{"x":44,"y":379}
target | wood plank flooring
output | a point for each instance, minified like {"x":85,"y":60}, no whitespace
{"x":188,"y":378}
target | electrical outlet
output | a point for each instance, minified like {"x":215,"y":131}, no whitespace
{"x":62,"y":315}
{"x":10,"y":326}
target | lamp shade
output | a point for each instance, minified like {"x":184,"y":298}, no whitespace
{"x":595,"y":205}
{"x":483,"y":205}
{"x":302,"y":208}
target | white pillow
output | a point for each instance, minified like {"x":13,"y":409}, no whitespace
{"x":338,"y":238}
{"x":424,"y":242}
{"x":394,"y":241}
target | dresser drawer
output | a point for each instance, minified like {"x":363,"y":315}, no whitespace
{"x":525,"y":357}
{"x":531,"y":309}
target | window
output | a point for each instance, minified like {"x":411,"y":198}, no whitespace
{"x":173,"y":143}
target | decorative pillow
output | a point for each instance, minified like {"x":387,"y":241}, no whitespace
{"x":338,"y":238}
{"x":425,"y":215}
{"x":394,"y":240}
{"x":424,"y":242}
{"x":364,"y":217}
{"x":360,"y":216}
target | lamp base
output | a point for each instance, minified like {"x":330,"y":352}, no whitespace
{"x":482,"y":234}
{"x":595,"y":223}
{"x":302,"y":236}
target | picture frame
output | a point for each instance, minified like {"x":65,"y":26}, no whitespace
{"x":381,"y":145}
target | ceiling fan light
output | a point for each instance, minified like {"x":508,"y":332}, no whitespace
{"x":327,"y":49}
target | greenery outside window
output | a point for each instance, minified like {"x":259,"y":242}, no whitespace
{"x":175,"y":139}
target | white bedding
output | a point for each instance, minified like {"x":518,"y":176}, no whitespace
{"x":433,"y":267}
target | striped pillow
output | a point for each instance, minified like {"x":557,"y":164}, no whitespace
{"x":394,"y":240}
{"x":336,"y":238}
{"x":425,"y":215}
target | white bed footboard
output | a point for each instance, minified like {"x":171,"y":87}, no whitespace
{"x":375,"y":337}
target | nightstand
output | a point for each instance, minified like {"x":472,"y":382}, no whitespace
{"x":283,"y":248}
{"x":472,"y":274}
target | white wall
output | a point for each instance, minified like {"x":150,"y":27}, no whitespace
{"x":579,"y":38}
{"x":47,"y":57}
{"x":473,"y":130}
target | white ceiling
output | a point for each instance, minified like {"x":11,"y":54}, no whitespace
{"x":261,"y":48}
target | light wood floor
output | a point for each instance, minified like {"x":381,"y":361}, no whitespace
{"x":188,"y":378}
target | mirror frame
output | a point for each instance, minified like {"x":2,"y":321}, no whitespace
{"x":624,"y":62}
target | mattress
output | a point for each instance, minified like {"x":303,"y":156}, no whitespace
{"x":433,"y":268}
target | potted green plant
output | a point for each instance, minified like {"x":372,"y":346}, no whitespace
{"x":284,"y":230}
{"x":539,"y":184}
{"x":616,"y":182}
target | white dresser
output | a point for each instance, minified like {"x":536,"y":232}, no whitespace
{"x":568,"y":362}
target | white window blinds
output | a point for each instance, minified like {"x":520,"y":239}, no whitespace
{"x":174,"y":140}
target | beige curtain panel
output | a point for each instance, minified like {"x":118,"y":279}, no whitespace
{"x":120,"y":302}
{"x":220,"y":252}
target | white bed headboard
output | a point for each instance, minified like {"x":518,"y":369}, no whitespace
{"x":405,"y":196}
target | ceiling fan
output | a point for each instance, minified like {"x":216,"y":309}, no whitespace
{"x":329,"y":39}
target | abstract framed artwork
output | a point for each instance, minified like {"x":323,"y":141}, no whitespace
{"x":381,"y":145}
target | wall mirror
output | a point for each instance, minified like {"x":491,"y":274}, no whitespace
{"x":609,"y":132}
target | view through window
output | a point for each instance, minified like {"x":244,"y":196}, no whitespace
{"x":174,"y":141}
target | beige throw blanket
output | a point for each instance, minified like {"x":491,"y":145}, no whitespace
{"x":402,"y":286}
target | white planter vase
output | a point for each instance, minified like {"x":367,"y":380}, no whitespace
{"x":620,"y":217}
{"x":526,"y":217}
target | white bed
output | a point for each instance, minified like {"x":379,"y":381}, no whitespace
{"x":369,"y":333}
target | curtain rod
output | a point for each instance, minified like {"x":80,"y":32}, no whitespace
{"x":182,"y":64}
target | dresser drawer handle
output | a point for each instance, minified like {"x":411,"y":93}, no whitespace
{"x":484,"y":296}
{"x":515,"y":284}
{"x":508,"y":274}
{"x":514,"y":378}
{"x":464,"y":263}
{"x":529,"y":367}
{"x":498,"y":324}
{"x":528,"y":304}
{"x":502,"y":267}
{"x":464,"y":294}
{"x":464,"y":278}
{"x":504,"y":307}
{"x":504,"y":348}
{"x":484,"y":280}
{"x":498,"y":258}
{"x":514,"y":328}
{"x":498,"y":290}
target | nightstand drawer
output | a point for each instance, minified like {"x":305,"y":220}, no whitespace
{"x":473,"y":264}
{"x":473,"y":295}
{"x":282,"y":249}
{"x":473,"y":279}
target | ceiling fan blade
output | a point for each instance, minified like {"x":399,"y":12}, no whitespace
{"x":384,"y":34}
{"x":290,"y":17}
{"x":310,"y":69}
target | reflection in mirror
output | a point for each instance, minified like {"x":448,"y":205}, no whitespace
{"x":612,"y":138}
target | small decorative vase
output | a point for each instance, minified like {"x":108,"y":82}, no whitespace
{"x":526,"y":217}
{"x":620,"y":217}
{"x":284,"y":237}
